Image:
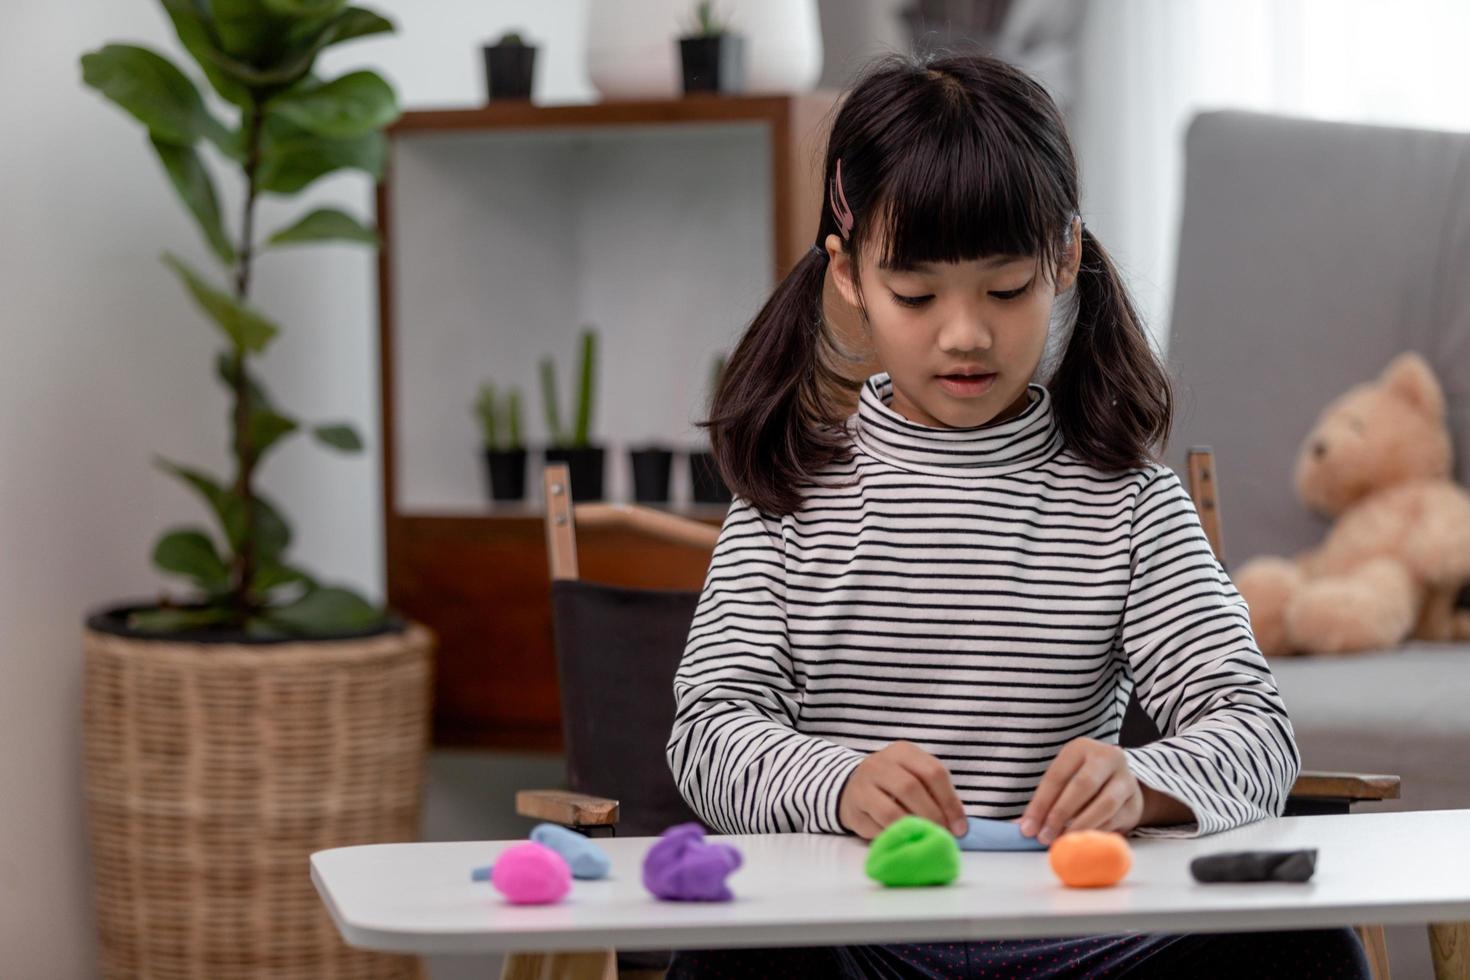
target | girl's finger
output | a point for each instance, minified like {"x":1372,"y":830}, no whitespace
{"x":864,"y":826}
{"x":911,"y":794}
{"x":1079,"y":791}
{"x":882,"y":808}
{"x":1105,"y":806}
{"x":936,"y":779}
{"x":1053,"y":781}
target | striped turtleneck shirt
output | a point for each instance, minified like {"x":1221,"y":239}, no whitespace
{"x":988,"y":596}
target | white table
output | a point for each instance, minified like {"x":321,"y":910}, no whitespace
{"x":799,"y":889}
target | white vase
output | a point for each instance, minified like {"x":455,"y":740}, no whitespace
{"x":632,"y":45}
{"x":783,"y":48}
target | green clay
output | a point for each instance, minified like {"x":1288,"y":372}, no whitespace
{"x":913,"y":852}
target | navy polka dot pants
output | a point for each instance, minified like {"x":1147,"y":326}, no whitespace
{"x":1321,"y":954}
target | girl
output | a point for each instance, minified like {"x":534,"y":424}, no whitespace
{"x":940,"y":604}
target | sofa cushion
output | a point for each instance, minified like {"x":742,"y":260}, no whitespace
{"x":1309,"y":254}
{"x":1403,"y":712}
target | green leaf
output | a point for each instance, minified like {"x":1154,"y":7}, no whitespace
{"x":316,"y":9}
{"x":342,"y":108}
{"x":325,"y":224}
{"x":272,"y":533}
{"x":303,"y":42}
{"x":550,"y":403}
{"x":224,"y":368}
{"x":196,"y":37}
{"x":196,"y":189}
{"x":351,"y":24}
{"x":156,"y":93}
{"x":343,"y":437}
{"x":177,"y":620}
{"x":190,"y":553}
{"x":260,"y":628}
{"x":266,"y":428}
{"x":292,"y":158}
{"x":206,"y":486}
{"x":326,"y":610}
{"x":273,"y":576}
{"x":245,"y":28}
{"x":247,"y":329}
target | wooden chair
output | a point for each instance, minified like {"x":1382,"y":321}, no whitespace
{"x":602,"y":731}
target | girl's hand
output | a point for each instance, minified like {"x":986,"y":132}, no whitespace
{"x":1086,"y":787}
{"x":898,"y":780}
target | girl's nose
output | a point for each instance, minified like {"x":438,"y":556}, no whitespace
{"x":965,"y":334}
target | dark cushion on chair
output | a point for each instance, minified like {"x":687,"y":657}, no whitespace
{"x":616,"y":650}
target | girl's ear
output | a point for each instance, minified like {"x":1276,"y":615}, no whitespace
{"x":839,"y":262}
{"x":1072,"y":260}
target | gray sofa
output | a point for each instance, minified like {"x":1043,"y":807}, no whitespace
{"x":1310,"y":253}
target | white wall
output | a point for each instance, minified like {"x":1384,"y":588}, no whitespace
{"x":104,"y":364}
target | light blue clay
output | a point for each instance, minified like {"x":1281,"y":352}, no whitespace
{"x":985,"y":834}
{"x":586,"y":859}
{"x":482,"y":874}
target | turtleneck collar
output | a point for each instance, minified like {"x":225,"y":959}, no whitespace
{"x":981,"y":451}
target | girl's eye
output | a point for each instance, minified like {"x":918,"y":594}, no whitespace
{"x":1012,"y":293}
{"x":915,"y":301}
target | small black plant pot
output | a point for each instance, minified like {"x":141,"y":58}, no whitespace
{"x":585,"y":464}
{"x":709,"y":487}
{"x":508,"y":70}
{"x":651,"y":467}
{"x":713,"y":64}
{"x":507,"y":469}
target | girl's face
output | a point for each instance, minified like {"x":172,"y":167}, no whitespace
{"x":960,"y":340}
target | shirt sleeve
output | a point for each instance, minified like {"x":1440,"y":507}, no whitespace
{"x":734,"y":750}
{"x":1227,"y":751}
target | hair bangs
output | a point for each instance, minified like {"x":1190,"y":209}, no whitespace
{"x":964,"y":192}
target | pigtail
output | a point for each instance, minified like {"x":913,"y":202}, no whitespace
{"x":770,"y":426}
{"x":1113,"y":399}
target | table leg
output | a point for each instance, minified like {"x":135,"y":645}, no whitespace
{"x":1375,"y":946}
{"x":596,"y":965}
{"x":1449,"y":945}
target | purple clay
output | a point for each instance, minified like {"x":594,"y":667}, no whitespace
{"x":682,"y":867}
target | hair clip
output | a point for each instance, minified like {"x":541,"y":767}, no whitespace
{"x":840,"y":210}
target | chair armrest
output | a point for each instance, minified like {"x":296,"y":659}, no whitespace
{"x":656,"y":524}
{"x":567,"y":808}
{"x":1351,"y":786}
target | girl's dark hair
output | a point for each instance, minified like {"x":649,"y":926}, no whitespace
{"x":943,"y":160}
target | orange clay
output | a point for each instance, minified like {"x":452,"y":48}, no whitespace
{"x":1090,"y":858}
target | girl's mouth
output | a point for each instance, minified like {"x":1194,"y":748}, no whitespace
{"x":966,"y":386}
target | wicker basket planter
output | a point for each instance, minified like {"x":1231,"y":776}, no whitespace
{"x":214,"y":769}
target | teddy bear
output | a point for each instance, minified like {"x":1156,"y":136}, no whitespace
{"x":1396,"y":563}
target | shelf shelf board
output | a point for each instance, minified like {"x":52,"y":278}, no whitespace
{"x":533,"y":511}
{"x":698,"y":109}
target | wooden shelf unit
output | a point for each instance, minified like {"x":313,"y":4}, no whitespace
{"x":477,"y":575}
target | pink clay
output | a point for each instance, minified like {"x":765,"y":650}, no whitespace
{"x":532,"y":874}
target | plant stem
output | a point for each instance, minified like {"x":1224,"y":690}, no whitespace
{"x":244,"y":560}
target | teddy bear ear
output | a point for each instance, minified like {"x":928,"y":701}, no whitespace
{"x":1410,"y":377}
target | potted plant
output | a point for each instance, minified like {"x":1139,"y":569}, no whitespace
{"x":651,"y":464}
{"x":505,"y":457}
{"x":230,"y":732}
{"x":575,"y":447}
{"x":708,"y":487}
{"x":712,"y":55}
{"x":509,"y":67}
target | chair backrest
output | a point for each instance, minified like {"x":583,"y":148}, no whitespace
{"x":1310,"y":253}
{"x":616,"y":651}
